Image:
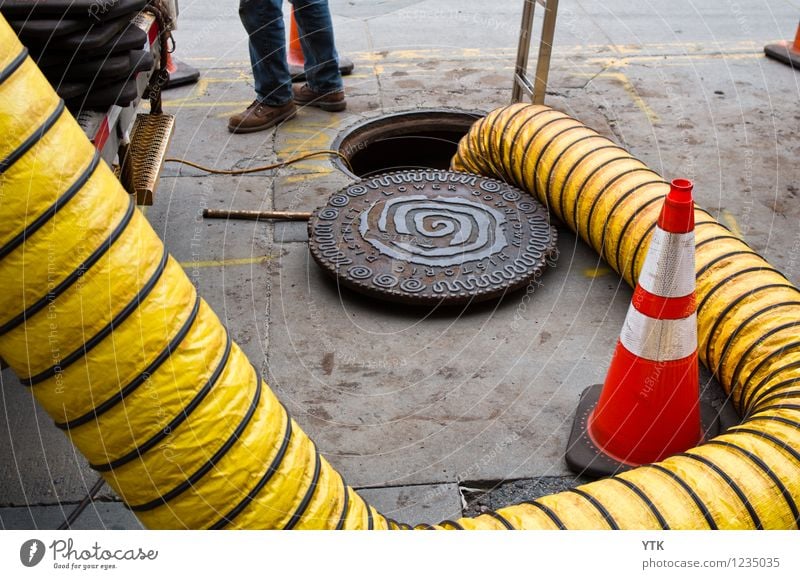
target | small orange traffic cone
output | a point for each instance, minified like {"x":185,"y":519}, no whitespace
{"x":296,"y":59}
{"x":294,"y":52}
{"x":649,"y":406}
{"x":180,"y":73}
{"x":785,"y":52}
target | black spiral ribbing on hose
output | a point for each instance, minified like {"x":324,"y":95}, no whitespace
{"x":644,"y":498}
{"x":790,"y":347}
{"x":34,"y":138}
{"x":195,"y":477}
{"x":618,"y":202}
{"x":74,"y":276}
{"x":726,"y":348}
{"x":761,"y":465}
{"x":501,"y":518}
{"x":730,"y":482}
{"x":37,"y":223}
{"x":143,"y":376}
{"x":689,"y":491}
{"x":491,"y":148}
{"x":295,"y":518}
{"x":115,"y":322}
{"x":12,"y":66}
{"x":271,"y":470}
{"x":345,"y":506}
{"x":550,"y":513}
{"x":778,"y":396}
{"x":744,"y":356}
{"x":728,"y":308}
{"x":598,"y":506}
{"x":628,"y":222}
{"x":182,"y":416}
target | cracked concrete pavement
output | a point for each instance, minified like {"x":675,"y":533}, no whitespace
{"x":422,"y":409}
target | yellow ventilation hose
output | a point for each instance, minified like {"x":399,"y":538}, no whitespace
{"x":748,"y":322}
{"x":107,"y":330}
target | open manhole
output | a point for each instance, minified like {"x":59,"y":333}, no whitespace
{"x":420,"y":139}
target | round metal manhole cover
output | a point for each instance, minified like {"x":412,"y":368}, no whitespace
{"x":432,"y":237}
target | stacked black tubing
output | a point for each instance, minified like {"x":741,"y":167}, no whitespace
{"x":90,"y":50}
{"x":108,"y":332}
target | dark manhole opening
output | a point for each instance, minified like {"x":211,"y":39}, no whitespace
{"x":420,"y":139}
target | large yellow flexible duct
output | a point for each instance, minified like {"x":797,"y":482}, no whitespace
{"x":110,"y":334}
{"x":748,"y":320}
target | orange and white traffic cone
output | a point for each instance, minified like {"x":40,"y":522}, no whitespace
{"x":296,"y":59}
{"x":180,"y":73}
{"x":649,"y":406}
{"x":788,"y":53}
{"x":294,"y":52}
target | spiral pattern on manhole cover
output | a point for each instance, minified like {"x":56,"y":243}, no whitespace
{"x":430,"y":236}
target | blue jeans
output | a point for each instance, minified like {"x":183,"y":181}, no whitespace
{"x":263,"y":21}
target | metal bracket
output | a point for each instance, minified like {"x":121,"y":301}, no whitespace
{"x":522,"y":83}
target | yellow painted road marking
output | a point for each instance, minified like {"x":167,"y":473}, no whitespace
{"x":227,"y":262}
{"x":630,"y":51}
{"x":309,"y":176}
{"x":732,"y":224}
{"x":318,"y":141}
{"x":627,"y":85}
{"x":200,"y":87}
{"x":310,"y":169}
{"x":595,"y":272}
{"x":207,"y":104}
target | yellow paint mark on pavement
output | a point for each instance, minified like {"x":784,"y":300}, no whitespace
{"x":227,"y":262}
{"x":733,"y":225}
{"x":318,"y":141}
{"x":310,"y":169}
{"x":627,"y":85}
{"x":200,"y":87}
{"x":305,"y":177}
{"x":595,"y":272}
{"x":205,"y":104}
{"x":636,"y":50}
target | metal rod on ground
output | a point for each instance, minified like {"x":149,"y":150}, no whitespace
{"x":256,"y":215}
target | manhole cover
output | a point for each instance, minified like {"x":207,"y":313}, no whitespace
{"x":432,"y":237}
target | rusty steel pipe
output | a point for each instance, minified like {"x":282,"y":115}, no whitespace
{"x":256,"y":215}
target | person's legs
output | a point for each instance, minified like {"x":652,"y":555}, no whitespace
{"x":316,"y":37}
{"x":263,"y":21}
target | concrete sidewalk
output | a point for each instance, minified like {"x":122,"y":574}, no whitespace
{"x":427,"y":411}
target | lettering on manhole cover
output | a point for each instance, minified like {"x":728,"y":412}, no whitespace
{"x":432,"y":237}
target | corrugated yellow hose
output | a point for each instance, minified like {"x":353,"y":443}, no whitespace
{"x":109,"y":333}
{"x":748,"y":323}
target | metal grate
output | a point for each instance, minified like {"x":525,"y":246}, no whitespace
{"x":141,"y":166}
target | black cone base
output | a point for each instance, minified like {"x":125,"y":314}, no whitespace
{"x":183,"y":74}
{"x":585,"y":458}
{"x":298,"y":74}
{"x":783,"y":52}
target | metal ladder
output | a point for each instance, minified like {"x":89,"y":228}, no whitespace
{"x":522,"y":84}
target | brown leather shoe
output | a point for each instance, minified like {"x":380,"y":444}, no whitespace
{"x":332,"y":101}
{"x":258,"y":117}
